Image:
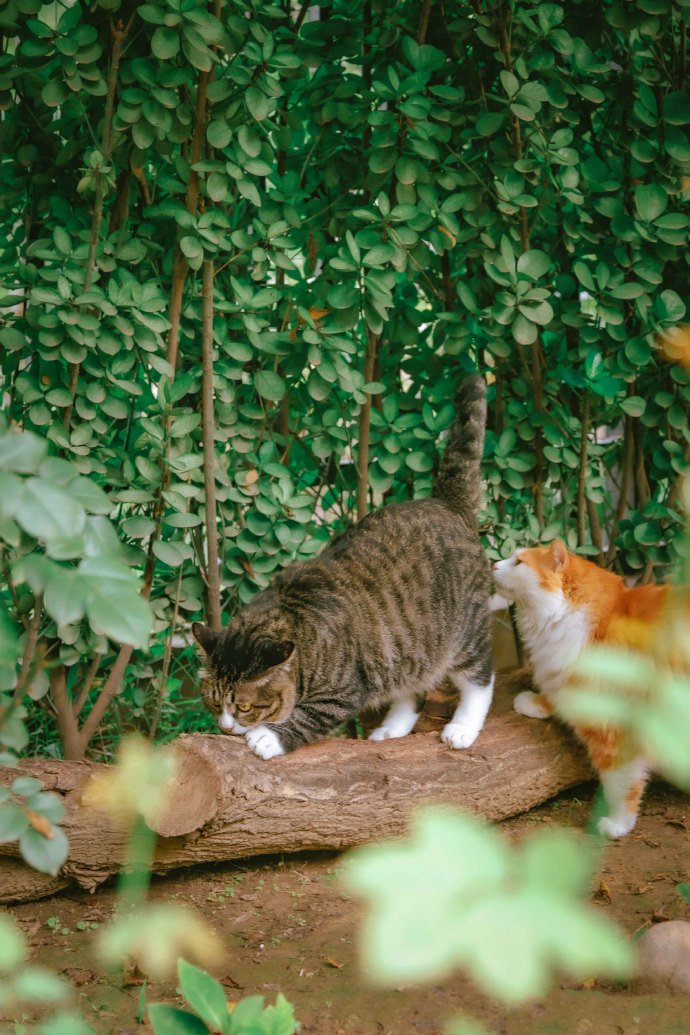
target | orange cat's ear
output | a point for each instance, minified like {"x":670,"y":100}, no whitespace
{"x":558,"y":554}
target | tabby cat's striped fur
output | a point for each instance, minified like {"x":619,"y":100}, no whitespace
{"x":380,"y":617}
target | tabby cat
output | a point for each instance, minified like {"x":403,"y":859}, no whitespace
{"x":380,"y":617}
{"x":564,"y":603}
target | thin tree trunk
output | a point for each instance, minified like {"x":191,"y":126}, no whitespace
{"x":67,"y":725}
{"x":595,"y":530}
{"x":424,"y":21}
{"x":365,"y":430}
{"x":626,"y":481}
{"x":535,"y":365}
{"x":30,"y":646}
{"x":209,"y":446}
{"x":119,"y":33}
{"x":167,"y":658}
{"x":582,"y":474}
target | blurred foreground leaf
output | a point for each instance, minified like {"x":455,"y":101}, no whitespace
{"x":458,"y":895}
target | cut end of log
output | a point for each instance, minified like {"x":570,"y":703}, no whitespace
{"x":193,"y":800}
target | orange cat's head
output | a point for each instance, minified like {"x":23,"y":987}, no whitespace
{"x":533,"y":574}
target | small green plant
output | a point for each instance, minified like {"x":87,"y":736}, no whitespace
{"x":222,"y":895}
{"x":55,"y":924}
{"x":213,"y":1013}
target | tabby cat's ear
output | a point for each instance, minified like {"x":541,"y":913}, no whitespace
{"x":276,"y":652}
{"x":205,"y":637}
{"x":558,"y":554}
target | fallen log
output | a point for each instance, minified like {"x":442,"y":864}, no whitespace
{"x":228,"y":804}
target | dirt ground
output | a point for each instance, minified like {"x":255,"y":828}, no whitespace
{"x":288,"y":926}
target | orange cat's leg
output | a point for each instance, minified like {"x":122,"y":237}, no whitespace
{"x":535,"y":706}
{"x":623,"y":788}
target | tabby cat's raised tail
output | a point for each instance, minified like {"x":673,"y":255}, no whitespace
{"x":458,"y":482}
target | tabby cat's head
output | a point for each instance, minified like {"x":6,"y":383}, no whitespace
{"x":248,"y":678}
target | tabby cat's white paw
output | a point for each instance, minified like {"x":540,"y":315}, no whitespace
{"x":528,"y":703}
{"x":390,"y":731}
{"x":264,"y":742}
{"x":458,"y":735}
{"x":618,"y":827}
{"x":382,"y":733}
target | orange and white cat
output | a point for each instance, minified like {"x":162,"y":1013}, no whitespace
{"x":564,"y":603}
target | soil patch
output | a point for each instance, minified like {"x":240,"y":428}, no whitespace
{"x":288,"y":926}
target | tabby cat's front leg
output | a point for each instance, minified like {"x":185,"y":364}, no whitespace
{"x":308,"y":722}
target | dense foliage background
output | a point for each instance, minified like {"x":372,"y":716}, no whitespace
{"x":247,"y":251}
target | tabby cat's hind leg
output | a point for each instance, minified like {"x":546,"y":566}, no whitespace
{"x":623,"y":788}
{"x":468,"y":719}
{"x":399,"y":720}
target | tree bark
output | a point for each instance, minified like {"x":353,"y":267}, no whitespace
{"x":209,"y":446}
{"x":228,"y":804}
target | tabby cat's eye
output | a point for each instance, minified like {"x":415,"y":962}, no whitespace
{"x":243,"y":708}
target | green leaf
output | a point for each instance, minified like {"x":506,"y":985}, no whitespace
{"x":204,"y":995}
{"x":419,"y":461}
{"x":90,"y":496}
{"x":64,"y":1024}
{"x":342,"y":296}
{"x":169,"y":1020}
{"x":524,"y":331}
{"x":26,"y":786}
{"x":165,"y":43}
{"x":269,"y":385}
{"x":249,"y":140}
{"x":21,"y":451}
{"x":184,"y":424}
{"x":533,"y":263}
{"x":542,"y":313}
{"x":49,"y":512}
{"x":45,"y":854}
{"x":113,"y":605}
{"x":650,"y":201}
{"x":648,"y":533}
{"x":40,"y":985}
{"x":122,"y":616}
{"x":258,"y":103}
{"x":13,"y":340}
{"x":13,"y":822}
{"x":634,"y":406}
{"x":218,"y":134}
{"x":509,"y":82}
{"x":169,"y":553}
{"x":54,"y":93}
{"x":12,"y":945}
{"x":489,"y":123}
{"x":65,"y":597}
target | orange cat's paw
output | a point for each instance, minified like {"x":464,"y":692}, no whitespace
{"x":534,"y":706}
{"x":617,"y":826}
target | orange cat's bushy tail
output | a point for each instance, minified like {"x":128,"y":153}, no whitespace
{"x":458,"y":482}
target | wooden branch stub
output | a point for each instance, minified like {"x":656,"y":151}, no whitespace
{"x":194,"y":799}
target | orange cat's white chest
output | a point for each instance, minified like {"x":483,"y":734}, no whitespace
{"x":554,"y":644}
